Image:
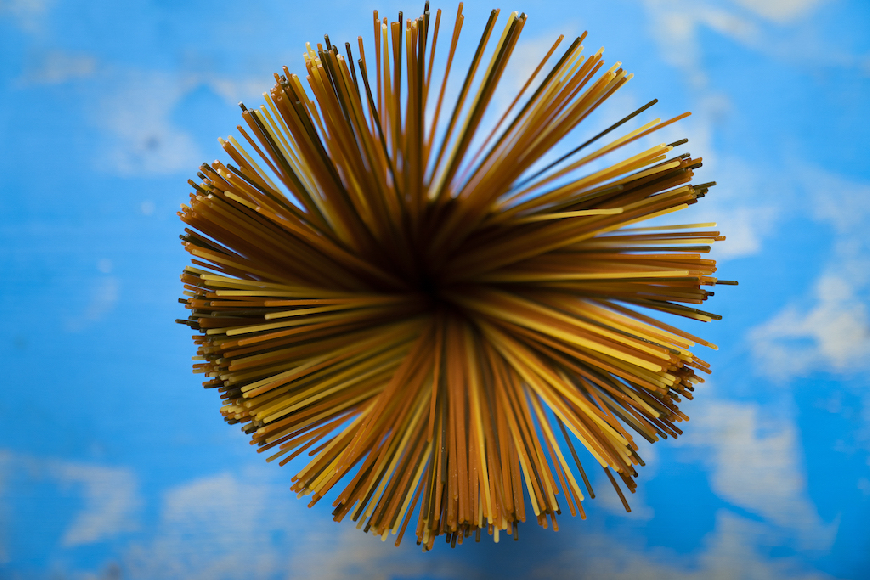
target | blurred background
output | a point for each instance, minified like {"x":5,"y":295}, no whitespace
{"x":115,"y":463}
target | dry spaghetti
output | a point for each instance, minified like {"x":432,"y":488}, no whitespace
{"x":434,"y":322}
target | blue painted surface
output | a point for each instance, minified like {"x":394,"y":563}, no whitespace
{"x":114,"y":463}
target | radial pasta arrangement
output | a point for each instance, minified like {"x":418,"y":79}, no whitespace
{"x":444,"y":318}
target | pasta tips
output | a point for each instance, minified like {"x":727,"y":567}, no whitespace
{"x":435,"y":317}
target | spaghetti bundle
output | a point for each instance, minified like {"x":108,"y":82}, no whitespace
{"x":436,"y":317}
